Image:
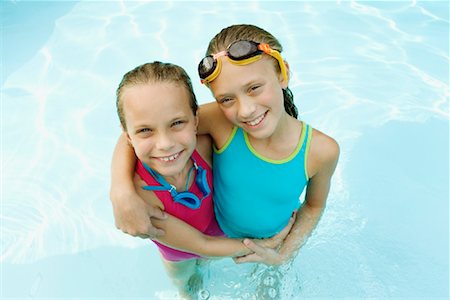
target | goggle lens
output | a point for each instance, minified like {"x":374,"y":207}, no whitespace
{"x":243,"y":50}
{"x":239,"y":51}
{"x":206,"y":67}
{"x":188,"y":200}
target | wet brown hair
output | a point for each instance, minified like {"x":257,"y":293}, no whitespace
{"x":253,"y":33}
{"x":151,"y":73}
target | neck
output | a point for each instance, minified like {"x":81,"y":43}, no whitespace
{"x":280,"y":135}
{"x":281,"y":142}
{"x":179,"y":180}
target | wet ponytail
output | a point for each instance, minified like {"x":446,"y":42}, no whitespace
{"x":289,"y":104}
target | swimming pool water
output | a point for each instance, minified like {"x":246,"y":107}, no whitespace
{"x":374,"y":75}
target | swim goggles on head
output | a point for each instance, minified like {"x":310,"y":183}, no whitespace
{"x":239,"y":53}
{"x":186,"y":198}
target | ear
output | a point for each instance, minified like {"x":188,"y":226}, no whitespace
{"x":128,"y":137}
{"x":196,"y":122}
{"x":285,"y":82}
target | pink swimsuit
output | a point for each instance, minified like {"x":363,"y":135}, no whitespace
{"x":202,"y":218}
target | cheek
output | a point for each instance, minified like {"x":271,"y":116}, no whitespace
{"x":275,"y":98}
{"x":141,"y":147}
{"x":189,"y":138}
{"x":229,"y":113}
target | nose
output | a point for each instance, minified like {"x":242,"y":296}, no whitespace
{"x":164,"y":141}
{"x":247,"y":107}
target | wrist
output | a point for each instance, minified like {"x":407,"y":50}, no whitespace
{"x":286,"y":256}
{"x":122,"y":194}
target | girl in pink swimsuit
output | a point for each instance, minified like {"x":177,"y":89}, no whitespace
{"x":201,"y":218}
{"x":158,"y":113}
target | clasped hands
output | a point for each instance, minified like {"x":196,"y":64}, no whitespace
{"x":267,"y":251}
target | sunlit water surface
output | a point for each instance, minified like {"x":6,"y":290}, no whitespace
{"x":374,"y":75}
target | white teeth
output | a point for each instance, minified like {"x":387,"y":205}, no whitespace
{"x":256,"y":121}
{"x":169,"y":158}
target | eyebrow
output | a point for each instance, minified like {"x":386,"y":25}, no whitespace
{"x":176,"y":118}
{"x":244,"y":86}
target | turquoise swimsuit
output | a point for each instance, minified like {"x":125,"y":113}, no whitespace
{"x":255,"y":196}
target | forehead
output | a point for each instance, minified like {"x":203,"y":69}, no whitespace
{"x":156,"y":93}
{"x":155,"y":98}
{"x":236,"y":76}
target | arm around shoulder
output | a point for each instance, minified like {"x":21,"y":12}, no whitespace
{"x":131,"y":213}
{"x":212,"y":121}
{"x":207,"y":114}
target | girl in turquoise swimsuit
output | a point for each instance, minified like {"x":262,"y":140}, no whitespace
{"x":264,"y":157}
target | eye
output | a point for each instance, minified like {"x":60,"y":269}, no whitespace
{"x":144,"y":130}
{"x":177,"y":123}
{"x":255,"y":88}
{"x":225,"y":100}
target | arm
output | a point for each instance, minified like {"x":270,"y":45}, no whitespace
{"x":310,"y":212}
{"x":206,"y":114}
{"x":131,"y":213}
{"x":182,"y":236}
{"x":212,"y":121}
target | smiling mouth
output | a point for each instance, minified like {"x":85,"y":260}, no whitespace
{"x":257,"y":121}
{"x":169,"y":158}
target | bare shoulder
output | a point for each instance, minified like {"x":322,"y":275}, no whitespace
{"x":213,"y":122}
{"x":323,"y":154}
{"x":204,"y":147}
{"x":209,"y":114}
{"x":210,"y":109}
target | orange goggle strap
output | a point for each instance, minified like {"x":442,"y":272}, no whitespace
{"x":263,"y":47}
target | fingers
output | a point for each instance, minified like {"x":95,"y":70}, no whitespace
{"x":261,"y":254}
{"x":143,"y":231}
{"x":285,"y":231}
{"x":252,"y":257}
{"x":247,"y":258}
{"x":142,"y":236}
{"x":294,"y":215}
{"x":154,"y":232}
{"x":137,"y":222}
{"x":254,"y":247}
{"x":156,"y":212}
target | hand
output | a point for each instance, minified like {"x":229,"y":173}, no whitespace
{"x":264,"y":250}
{"x":133,"y":216}
{"x":276,"y":240}
{"x":261,"y":254}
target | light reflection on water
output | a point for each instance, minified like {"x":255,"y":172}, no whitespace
{"x":374,"y":75}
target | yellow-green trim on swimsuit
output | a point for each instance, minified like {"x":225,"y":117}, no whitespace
{"x":278,"y":161}
{"x":308,"y":142}
{"x":230,"y":138}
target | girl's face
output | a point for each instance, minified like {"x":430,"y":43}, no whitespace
{"x":160,"y":125}
{"x":251,"y":96}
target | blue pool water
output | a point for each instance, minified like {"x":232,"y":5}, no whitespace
{"x":374,"y":75}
